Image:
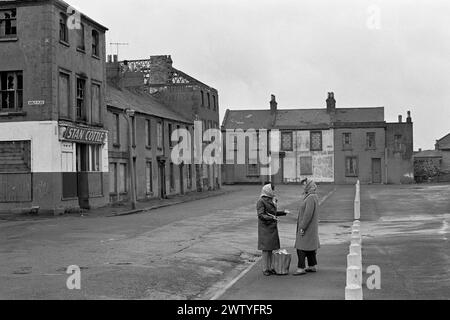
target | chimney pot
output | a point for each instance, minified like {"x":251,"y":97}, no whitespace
{"x":409,"y":119}
{"x":331,"y":102}
{"x":400,"y":119}
{"x":116,"y":58}
{"x":273,"y":104}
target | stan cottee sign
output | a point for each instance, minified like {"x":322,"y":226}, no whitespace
{"x":83,"y":135}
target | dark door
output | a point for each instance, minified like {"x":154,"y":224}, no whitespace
{"x":83,"y":176}
{"x":376,"y":170}
{"x":181,"y":179}
{"x":278,"y":177}
{"x":162,"y":179}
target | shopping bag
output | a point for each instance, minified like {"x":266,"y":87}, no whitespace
{"x":281,"y":262}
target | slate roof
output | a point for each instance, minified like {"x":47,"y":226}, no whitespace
{"x":141,"y":102}
{"x":306,"y":119}
{"x":428,"y":154}
{"x":248,"y":119}
{"x":444,"y":143}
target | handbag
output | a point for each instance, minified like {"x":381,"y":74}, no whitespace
{"x":281,"y":262}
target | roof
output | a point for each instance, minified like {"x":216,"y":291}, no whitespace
{"x":359,"y":115}
{"x":141,"y":102}
{"x":304,"y":118}
{"x":428,"y":154}
{"x":444,"y":143}
{"x":248,"y":119}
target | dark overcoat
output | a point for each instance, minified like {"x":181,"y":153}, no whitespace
{"x":268,"y":238}
{"x":308,"y":220}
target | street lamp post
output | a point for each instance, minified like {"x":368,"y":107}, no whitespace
{"x":128,"y":113}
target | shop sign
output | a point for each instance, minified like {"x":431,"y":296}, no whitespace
{"x":83,"y":134}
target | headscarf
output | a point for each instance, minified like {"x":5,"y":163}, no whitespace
{"x":310,"y":188}
{"x":267,"y":191}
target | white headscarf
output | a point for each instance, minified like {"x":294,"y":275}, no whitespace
{"x":267,"y":191}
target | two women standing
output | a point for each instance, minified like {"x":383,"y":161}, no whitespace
{"x":307,"y":242}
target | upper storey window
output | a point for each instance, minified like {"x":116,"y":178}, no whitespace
{"x":11,"y":91}
{"x":63,"y":30}
{"x":95,"y":43}
{"x":8,"y":23}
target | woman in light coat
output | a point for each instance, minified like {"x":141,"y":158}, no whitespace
{"x":308,"y":241}
{"x":268,"y":238}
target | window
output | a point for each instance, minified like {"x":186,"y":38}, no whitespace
{"x":306,"y":168}
{"x":347,"y":140}
{"x":122,"y":178}
{"x":149,"y":177}
{"x":15,"y":156}
{"x":286,"y":141}
{"x":95,"y":43}
{"x":159,"y":135}
{"x":8,"y":23}
{"x":64,"y":95}
{"x":209,"y":100}
{"x":81,"y":88}
{"x":371,"y":140}
{"x":80,"y":33}
{"x":351,"y":166}
{"x":94,"y":155}
{"x":214,"y":103}
{"x":203,"y":98}
{"x":63,"y":30}
{"x":148,"y":134}
{"x":172,"y":176}
{"x":253,"y":170}
{"x":113,"y":178}
{"x":316,"y":141}
{"x":133,"y":131}
{"x":115,"y":132}
{"x":170,"y":135}
{"x":11,"y":91}
{"x":189,"y":173}
{"x":397,"y":142}
{"x":95,"y":103}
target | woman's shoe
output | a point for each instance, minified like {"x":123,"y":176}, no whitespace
{"x":300,"y":272}
{"x":267,"y":273}
{"x":311,"y":270}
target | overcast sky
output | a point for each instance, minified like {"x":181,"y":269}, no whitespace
{"x":299,"y":51}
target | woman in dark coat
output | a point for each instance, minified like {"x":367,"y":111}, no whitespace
{"x":268,"y":239}
{"x":308,"y":241}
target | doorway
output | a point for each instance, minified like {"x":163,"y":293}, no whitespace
{"x":181,"y":179}
{"x":162,"y":178}
{"x":83,"y":176}
{"x":376,"y":171}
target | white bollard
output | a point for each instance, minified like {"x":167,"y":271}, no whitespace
{"x":353,"y":293}
{"x":357,"y":210}
{"x":356,"y":239}
{"x":356,"y":249}
{"x":357,"y":223}
{"x":354,"y":260}
{"x":356,"y":232}
{"x":353,"y":290}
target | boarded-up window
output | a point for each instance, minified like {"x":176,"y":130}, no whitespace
{"x":122,"y":178}
{"x":159,"y":135}
{"x":316,"y":141}
{"x":253,"y":170}
{"x":286,"y":141}
{"x":351,"y":166}
{"x":80,"y":39}
{"x":149,"y":177}
{"x":115,"y":130}
{"x":95,"y":103}
{"x":148,"y":133}
{"x":15,"y":156}
{"x":189,"y":173}
{"x":64,"y":95}
{"x":306,"y":168}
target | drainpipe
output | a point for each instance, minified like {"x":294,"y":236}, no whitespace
{"x":128,"y":113}
{"x":385,"y":166}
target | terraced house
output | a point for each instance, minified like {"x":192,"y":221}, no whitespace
{"x":329,"y":145}
{"x":53,"y":139}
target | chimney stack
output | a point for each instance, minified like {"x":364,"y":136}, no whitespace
{"x":273,"y":104}
{"x":400,"y":119}
{"x":109,"y":58}
{"x":409,"y":119}
{"x":116,"y":58}
{"x":331,"y":102}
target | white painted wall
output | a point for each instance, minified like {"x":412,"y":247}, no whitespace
{"x":46,"y":149}
{"x":322,"y":161}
